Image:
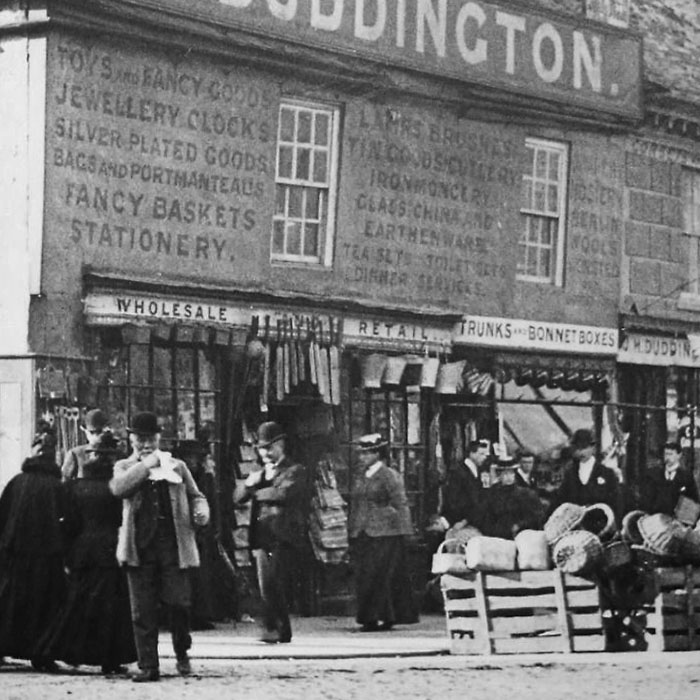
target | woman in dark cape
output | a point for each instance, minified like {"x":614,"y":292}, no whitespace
{"x":94,"y":628}
{"x":32,"y":578}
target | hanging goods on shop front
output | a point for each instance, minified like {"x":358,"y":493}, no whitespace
{"x":328,"y":521}
{"x":295,"y":359}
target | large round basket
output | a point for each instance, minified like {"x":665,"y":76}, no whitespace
{"x":565,"y":518}
{"x":662,"y":534}
{"x":630,"y":527}
{"x":577,"y":552}
{"x":600,"y":520}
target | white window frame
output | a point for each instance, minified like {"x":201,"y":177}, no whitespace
{"x":556,"y":274}
{"x":326,"y":218}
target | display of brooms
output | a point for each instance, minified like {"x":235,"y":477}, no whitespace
{"x":296,"y":356}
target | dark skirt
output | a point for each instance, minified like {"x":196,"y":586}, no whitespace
{"x":94,"y":627}
{"x":384,"y":592}
{"x":32,"y":590}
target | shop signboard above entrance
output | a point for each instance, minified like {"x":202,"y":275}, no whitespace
{"x":375,"y":331}
{"x":495,"y":44}
{"x":536,"y":335}
{"x":656,"y":350}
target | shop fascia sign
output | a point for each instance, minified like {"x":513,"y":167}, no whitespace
{"x":370,"y":331}
{"x":566,"y":59}
{"x":536,"y":335}
{"x":660,"y":351}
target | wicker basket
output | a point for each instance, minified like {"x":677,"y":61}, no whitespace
{"x":662,"y":534}
{"x":533,"y":551}
{"x":687,"y":511}
{"x":690,"y":547}
{"x":600,"y":520}
{"x":460,"y":534}
{"x":577,"y":552}
{"x":616,"y":555}
{"x":450,"y":562}
{"x":565,"y":518}
{"x":630,"y":527}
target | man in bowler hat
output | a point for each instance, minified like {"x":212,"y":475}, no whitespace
{"x":161,"y":506}
{"x":278,"y":533}
{"x":96,"y":424}
{"x":586,"y":480}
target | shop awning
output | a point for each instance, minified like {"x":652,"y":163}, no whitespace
{"x":532,"y":424}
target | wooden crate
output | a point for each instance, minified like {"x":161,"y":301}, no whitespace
{"x":515,"y":612}
{"x":673,"y":621}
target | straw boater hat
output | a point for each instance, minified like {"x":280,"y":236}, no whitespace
{"x":371,"y":442}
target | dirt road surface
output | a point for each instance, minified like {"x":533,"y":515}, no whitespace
{"x":627,"y":676}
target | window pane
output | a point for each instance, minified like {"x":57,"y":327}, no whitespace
{"x":527,"y":193}
{"x":162,"y":374}
{"x":184,"y":363}
{"x":207,"y":408}
{"x":320,"y":167}
{"x":553,"y":199}
{"x":206,"y":371}
{"x":163,"y":408}
{"x":284,"y":164}
{"x":304,"y":132}
{"x":185,"y":416}
{"x":554,"y":166}
{"x":539,"y":204}
{"x":278,"y":237}
{"x":312,"y":197}
{"x":322,"y":130}
{"x":293,"y":238}
{"x":544,"y":262}
{"x":140,"y":400}
{"x":286,"y":124}
{"x":295,"y":202}
{"x":138,"y":365}
{"x":303,"y":162}
{"x":280,"y":192}
{"x":541,"y":164}
{"x":311,"y":239}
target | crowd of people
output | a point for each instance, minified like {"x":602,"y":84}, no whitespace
{"x":516,"y":501}
{"x":93,"y":553}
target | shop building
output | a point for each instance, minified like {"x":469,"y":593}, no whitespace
{"x":386,"y":215}
{"x":659,"y":321}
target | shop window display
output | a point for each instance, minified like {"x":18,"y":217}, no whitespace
{"x":177,"y":381}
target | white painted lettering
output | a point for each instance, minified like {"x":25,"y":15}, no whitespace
{"x":370,"y":32}
{"x":547,"y":32}
{"x":512,"y":24}
{"x":478,"y":53}
{"x":436,"y":23}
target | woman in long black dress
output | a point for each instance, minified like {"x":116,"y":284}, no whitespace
{"x":378,"y":525}
{"x":94,"y":626}
{"x":32,"y":579}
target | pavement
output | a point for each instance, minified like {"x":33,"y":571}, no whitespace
{"x":317,"y":638}
{"x":340,"y":638}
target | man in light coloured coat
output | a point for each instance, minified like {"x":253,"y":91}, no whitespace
{"x":161,"y":506}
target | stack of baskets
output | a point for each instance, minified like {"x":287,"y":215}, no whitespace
{"x":661,"y":540}
{"x":583,"y":538}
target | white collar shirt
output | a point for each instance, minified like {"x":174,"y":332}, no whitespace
{"x":585,"y":469}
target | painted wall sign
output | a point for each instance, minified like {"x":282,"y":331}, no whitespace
{"x":537,"y":335}
{"x":370,"y":331}
{"x":487,"y":43}
{"x":660,"y":351}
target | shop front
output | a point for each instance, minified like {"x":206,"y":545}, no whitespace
{"x":546,"y":381}
{"x":659,"y":393}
